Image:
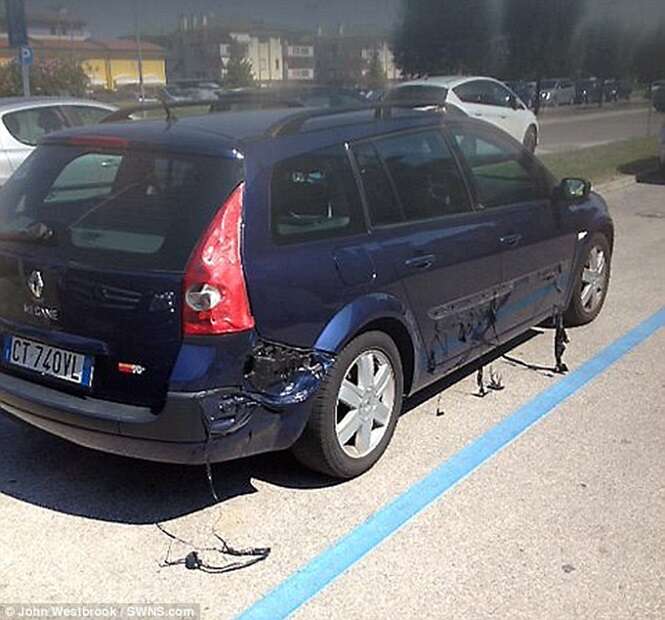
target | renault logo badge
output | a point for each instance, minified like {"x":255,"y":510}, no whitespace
{"x":36,"y":284}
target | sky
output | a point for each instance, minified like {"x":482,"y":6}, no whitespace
{"x":117,"y":17}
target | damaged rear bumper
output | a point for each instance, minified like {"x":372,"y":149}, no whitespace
{"x":263,"y":415}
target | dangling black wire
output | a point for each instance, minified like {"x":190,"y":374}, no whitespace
{"x":480,"y":381}
{"x":560,"y":341}
{"x":193,"y":561}
{"x":208,"y":465}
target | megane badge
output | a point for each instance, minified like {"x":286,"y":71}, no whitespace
{"x":36,"y":284}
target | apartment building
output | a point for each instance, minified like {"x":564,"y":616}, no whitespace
{"x":201,"y":49}
{"x":344,"y":57}
{"x":299,"y":56}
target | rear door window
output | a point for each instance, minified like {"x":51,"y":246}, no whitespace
{"x":29,"y":126}
{"x":426,"y":176}
{"x":135,"y":208}
{"x":501,"y":96}
{"x":315,"y":196}
{"x":476,"y":91}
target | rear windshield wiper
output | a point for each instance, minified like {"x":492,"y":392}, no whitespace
{"x":34,"y":233}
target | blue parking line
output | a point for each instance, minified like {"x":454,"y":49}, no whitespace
{"x":307,"y":582}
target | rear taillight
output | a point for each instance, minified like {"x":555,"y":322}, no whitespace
{"x":216,"y":300}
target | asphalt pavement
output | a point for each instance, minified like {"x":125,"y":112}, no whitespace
{"x":567,"y":520}
{"x":570,"y":128}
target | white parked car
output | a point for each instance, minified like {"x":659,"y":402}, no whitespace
{"x":480,"y":97}
{"x":662,"y":149}
{"x":23,"y":122}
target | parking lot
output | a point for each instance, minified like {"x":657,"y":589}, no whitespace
{"x":565,"y":519}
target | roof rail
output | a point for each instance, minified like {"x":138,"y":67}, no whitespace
{"x":382,"y":110}
{"x":125,"y":114}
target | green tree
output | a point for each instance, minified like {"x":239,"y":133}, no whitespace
{"x":649,"y":58}
{"x":238,"y":67}
{"x":376,"y":76}
{"x":606,"y":51}
{"x":540,"y":37}
{"x":444,"y":36}
{"x":47,"y":78}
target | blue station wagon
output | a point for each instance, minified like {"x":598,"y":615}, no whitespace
{"x":208,"y":288}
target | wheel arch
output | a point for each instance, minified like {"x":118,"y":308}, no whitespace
{"x":379,"y":312}
{"x":402,"y":339}
{"x":607,"y":229}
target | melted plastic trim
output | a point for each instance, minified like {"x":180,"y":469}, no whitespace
{"x":276,"y":376}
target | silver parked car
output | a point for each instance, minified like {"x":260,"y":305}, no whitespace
{"x":556,"y":92}
{"x":23,"y":122}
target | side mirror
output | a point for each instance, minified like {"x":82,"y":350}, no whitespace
{"x":574,"y":190}
{"x":513,"y":102}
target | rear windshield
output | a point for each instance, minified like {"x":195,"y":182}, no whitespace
{"x":427,"y":95}
{"x":137,"y":209}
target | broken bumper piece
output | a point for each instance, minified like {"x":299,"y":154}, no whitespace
{"x":267,"y":413}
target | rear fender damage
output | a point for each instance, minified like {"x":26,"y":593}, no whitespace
{"x":275,"y":377}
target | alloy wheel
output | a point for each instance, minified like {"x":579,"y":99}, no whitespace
{"x":365,"y":403}
{"x":594,"y":280}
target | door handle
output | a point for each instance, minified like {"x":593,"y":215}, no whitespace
{"x":421,"y":263}
{"x":511,"y":240}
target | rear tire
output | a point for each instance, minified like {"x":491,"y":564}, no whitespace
{"x":350,"y":397}
{"x":591,"y":283}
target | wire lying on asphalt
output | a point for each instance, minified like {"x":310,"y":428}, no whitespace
{"x":495,"y":383}
{"x":194,"y":561}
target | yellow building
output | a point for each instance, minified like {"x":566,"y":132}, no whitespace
{"x":119,"y":64}
{"x":109,"y":63}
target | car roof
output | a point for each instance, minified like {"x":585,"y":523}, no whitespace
{"x":8,"y":104}
{"x":225,"y":132}
{"x":446,"y":81}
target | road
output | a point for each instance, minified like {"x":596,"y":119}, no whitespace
{"x":569,"y":129}
{"x":567,"y":520}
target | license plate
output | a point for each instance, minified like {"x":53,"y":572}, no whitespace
{"x":48,"y":361}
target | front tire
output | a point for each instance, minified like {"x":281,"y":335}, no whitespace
{"x":356,"y":410}
{"x":591,"y":283}
{"x":531,"y":139}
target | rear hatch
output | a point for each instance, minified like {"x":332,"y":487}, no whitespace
{"x":95,"y":237}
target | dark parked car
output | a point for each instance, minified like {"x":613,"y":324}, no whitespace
{"x":587,"y":91}
{"x":655,"y":88}
{"x":624,"y":90}
{"x":239,"y":283}
{"x":659,"y":100}
{"x":526,"y":91}
{"x":617,"y":90}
